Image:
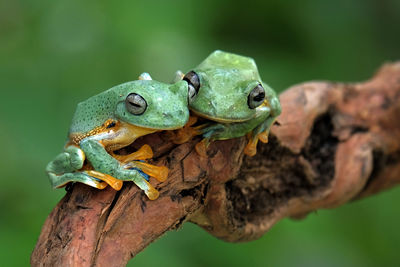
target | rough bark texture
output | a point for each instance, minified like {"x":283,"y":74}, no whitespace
{"x":333,"y":143}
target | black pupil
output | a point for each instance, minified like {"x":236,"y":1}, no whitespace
{"x":259,"y":97}
{"x":134,"y":104}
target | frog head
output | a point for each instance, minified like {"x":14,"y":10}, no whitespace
{"x":146,"y":103}
{"x":226,"y":88}
{"x":152,"y":104}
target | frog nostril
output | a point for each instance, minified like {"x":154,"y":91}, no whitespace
{"x":166,"y":114}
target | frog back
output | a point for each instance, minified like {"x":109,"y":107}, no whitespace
{"x":94,"y":111}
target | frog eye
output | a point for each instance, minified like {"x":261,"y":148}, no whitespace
{"x":256,"y":96}
{"x":135,"y":104}
{"x":193,"y":84}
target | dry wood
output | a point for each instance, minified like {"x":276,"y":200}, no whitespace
{"x":333,"y":143}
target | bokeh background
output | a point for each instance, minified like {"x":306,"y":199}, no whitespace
{"x":55,"y":53}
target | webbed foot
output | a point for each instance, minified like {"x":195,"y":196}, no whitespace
{"x":158,"y":172}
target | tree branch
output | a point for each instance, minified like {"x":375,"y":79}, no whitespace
{"x":333,"y":143}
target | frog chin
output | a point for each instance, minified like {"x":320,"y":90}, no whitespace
{"x":220,"y":119}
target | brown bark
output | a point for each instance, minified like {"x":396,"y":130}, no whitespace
{"x":333,"y":143}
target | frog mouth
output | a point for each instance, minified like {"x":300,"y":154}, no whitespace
{"x":259,"y":109}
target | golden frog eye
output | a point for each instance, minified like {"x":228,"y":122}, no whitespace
{"x":193,"y":81}
{"x":135,"y":104}
{"x":256,"y":97}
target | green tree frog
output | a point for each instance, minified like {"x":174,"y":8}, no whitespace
{"x":227,"y":89}
{"x":114,"y":119}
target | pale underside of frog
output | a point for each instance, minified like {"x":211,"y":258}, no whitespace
{"x":227,"y":91}
{"x":112,"y":120}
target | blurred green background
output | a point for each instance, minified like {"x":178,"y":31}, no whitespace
{"x":55,"y":53}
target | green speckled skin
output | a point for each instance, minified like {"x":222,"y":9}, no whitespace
{"x":166,"y":106}
{"x":226,"y":80}
{"x":166,"y":109}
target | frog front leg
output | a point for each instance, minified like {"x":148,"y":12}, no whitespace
{"x":65,"y":168}
{"x":261,"y":132}
{"x":209,"y":133}
{"x":60,"y":180}
{"x":104,"y":163}
{"x":70,"y":160}
{"x":61,"y":170}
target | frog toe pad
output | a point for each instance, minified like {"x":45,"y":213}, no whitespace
{"x":151,"y":192}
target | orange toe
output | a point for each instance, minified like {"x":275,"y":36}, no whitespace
{"x":158,"y":172}
{"x":192,"y":120}
{"x":145,"y":152}
{"x":101,"y":185}
{"x":151,"y":192}
{"x":113,"y":182}
{"x":186,"y":133}
{"x":263,"y":137}
{"x":251,"y":147}
{"x":201,"y":148}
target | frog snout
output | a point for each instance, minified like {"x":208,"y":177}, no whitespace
{"x":179,"y":114}
{"x":166,"y":115}
{"x":178,"y":118}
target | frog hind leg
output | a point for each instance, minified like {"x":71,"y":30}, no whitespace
{"x":58,"y":181}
